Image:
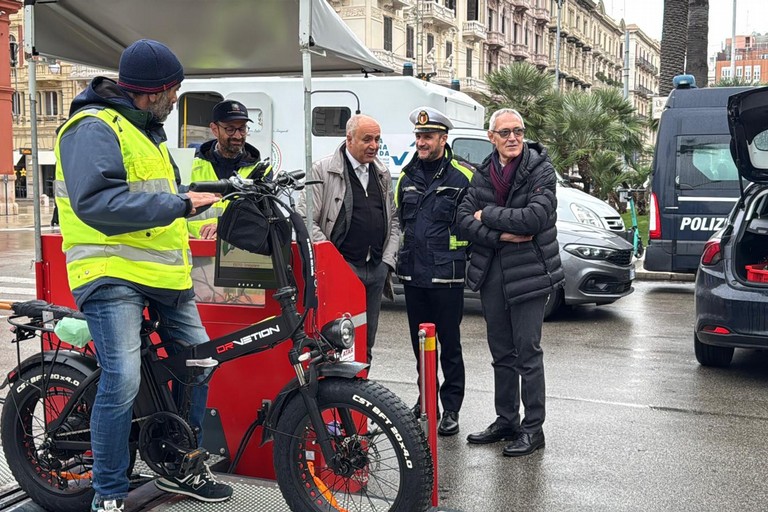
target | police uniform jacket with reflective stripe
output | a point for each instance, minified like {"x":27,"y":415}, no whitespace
{"x":203,"y":169}
{"x":121,"y":213}
{"x":529,"y":269}
{"x":432,"y":254}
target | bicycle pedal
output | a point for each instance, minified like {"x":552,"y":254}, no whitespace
{"x":192,"y":463}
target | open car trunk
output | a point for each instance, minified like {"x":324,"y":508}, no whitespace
{"x":750,"y":247}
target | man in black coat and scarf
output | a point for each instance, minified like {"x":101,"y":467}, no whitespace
{"x":509,"y":216}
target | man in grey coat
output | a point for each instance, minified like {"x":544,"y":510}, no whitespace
{"x":509,"y":216}
{"x":354,"y":209}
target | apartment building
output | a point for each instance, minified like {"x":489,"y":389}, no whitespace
{"x":751,"y":59}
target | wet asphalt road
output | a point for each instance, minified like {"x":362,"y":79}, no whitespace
{"x":633,"y":422}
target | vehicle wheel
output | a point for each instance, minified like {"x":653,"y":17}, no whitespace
{"x":56,"y":480}
{"x":640,"y":248}
{"x":711,"y":355}
{"x":385,"y":463}
{"x":554,"y":302}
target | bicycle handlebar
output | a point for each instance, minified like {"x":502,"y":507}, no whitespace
{"x":222,"y":187}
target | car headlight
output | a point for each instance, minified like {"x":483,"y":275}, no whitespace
{"x":589,"y":252}
{"x":586,"y":216}
{"x":340,"y":333}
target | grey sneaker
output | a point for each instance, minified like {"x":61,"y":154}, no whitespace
{"x":108,"y":506}
{"x":203,"y":487}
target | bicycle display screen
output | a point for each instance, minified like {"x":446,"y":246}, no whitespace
{"x":241,"y":269}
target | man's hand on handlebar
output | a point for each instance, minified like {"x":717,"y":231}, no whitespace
{"x":200,"y":199}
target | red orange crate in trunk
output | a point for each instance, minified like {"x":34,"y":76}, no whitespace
{"x":757,"y":273}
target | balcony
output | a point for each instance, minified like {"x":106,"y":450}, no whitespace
{"x":520,"y":52}
{"x":391,"y":59}
{"x":396,"y":5}
{"x":473,"y":31}
{"x":435,"y":14}
{"x":521,"y":5}
{"x":540,"y":60}
{"x":80,"y":72}
{"x":474,"y":87}
{"x":597,"y":50}
{"x":541,"y":15}
{"x":643,"y":91}
{"x":495,"y":39}
{"x":646,"y":65}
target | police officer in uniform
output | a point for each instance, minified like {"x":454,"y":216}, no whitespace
{"x":432,"y":258}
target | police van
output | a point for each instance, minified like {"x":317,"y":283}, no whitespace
{"x":695,"y":182}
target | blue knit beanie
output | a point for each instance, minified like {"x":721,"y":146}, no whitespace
{"x":149,"y":67}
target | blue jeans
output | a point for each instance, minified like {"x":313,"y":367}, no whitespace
{"x":114,"y":314}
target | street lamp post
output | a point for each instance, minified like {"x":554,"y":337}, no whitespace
{"x":557,"y":45}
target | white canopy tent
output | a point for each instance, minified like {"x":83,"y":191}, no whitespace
{"x":210,"y":37}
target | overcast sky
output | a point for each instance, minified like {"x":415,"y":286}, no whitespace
{"x":648,"y":14}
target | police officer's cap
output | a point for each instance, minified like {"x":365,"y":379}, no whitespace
{"x":426,"y":119}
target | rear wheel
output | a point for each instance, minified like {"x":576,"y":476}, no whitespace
{"x":712,"y":355}
{"x":383,"y":461}
{"x":56,"y":479}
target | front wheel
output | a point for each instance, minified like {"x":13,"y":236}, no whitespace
{"x":382,"y":457}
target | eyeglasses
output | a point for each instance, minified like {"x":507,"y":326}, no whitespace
{"x":506,"y":133}
{"x":231,"y":130}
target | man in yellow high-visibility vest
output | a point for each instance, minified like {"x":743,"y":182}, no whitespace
{"x":123,"y":220}
{"x":223,"y":157}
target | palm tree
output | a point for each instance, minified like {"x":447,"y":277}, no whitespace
{"x":523,"y":87}
{"x":698,"y":29}
{"x":674,"y":40}
{"x":590,"y":124}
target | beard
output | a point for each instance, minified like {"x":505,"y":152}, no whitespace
{"x":162,"y":107}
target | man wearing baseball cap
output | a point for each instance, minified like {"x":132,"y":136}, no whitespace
{"x":220,"y":158}
{"x":116,"y":187}
{"x":432,"y":256}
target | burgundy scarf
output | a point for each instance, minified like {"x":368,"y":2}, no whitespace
{"x":502,"y":177}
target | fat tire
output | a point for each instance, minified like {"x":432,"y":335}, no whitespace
{"x":17,"y":445}
{"x":712,"y":355}
{"x":414,"y":493}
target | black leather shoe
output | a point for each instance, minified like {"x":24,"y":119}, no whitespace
{"x":493,"y":434}
{"x":449,"y":425}
{"x":524,"y":443}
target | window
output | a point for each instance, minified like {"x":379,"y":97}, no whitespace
{"x":17,"y":104}
{"x":430,"y":42}
{"x":387,"y":33}
{"x":330,"y":121}
{"x":705,"y":162}
{"x":468,"y":71}
{"x":48,"y":103}
{"x":409,"y":38}
{"x":451,"y":4}
{"x":503,"y":23}
{"x":756,"y":72}
{"x":198,"y":111}
{"x":448,"y":49}
{"x":472,"y":10}
{"x":473,"y":151}
{"x":739,"y":71}
{"x":491,"y":16}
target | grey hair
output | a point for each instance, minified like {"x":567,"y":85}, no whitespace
{"x":354,"y":122}
{"x":501,"y":112}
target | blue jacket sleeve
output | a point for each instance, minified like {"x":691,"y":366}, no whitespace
{"x":96,"y":184}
